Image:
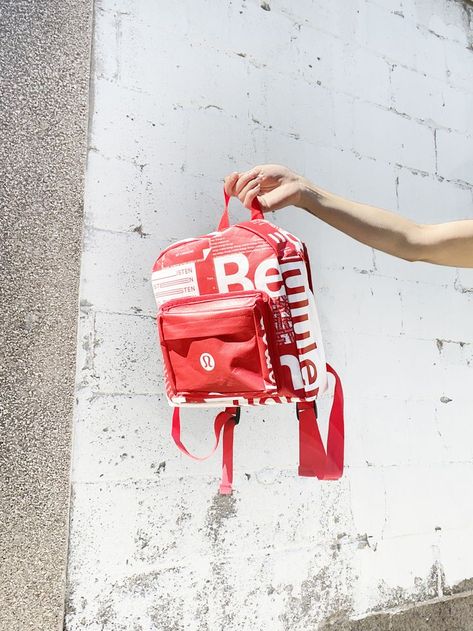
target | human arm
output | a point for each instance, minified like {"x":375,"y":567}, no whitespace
{"x":275,"y":187}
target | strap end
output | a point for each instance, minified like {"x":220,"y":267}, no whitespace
{"x":304,"y":472}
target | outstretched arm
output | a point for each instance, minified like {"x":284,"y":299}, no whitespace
{"x":275,"y":187}
{"x":449,"y":243}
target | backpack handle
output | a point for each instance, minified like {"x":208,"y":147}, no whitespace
{"x":256,"y":212}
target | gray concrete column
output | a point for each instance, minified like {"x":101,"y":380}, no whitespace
{"x":44,"y":74}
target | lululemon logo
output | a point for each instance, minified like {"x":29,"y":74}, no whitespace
{"x":207,"y":361}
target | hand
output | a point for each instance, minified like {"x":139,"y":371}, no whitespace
{"x":274,"y":186}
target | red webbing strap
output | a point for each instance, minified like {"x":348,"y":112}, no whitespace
{"x":227,"y":457}
{"x":312,"y":456}
{"x":226,"y":421}
{"x":314,"y":461}
{"x":256,"y":212}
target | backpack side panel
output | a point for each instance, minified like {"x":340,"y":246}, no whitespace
{"x":295,"y":267}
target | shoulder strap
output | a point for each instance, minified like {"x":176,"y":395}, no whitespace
{"x":314,"y":461}
{"x":226,"y":420}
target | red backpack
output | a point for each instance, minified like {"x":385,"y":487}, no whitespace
{"x":237,"y":325}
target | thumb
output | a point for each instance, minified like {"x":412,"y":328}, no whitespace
{"x":275,"y":199}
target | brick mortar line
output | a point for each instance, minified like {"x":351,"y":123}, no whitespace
{"x":342,"y":149}
{"x":287,"y":473}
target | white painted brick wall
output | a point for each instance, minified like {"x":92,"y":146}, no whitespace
{"x":371,"y":99}
{"x":455,"y":161}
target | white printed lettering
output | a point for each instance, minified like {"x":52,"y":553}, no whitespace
{"x":232,"y":269}
{"x":226,"y":279}
{"x":295,"y":370}
{"x":263,"y":279}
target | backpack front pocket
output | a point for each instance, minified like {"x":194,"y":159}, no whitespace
{"x":218,"y":345}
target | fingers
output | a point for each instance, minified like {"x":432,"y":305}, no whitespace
{"x":246,"y":186}
{"x":229,"y":183}
{"x":245,"y":179}
{"x":250,"y":192}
